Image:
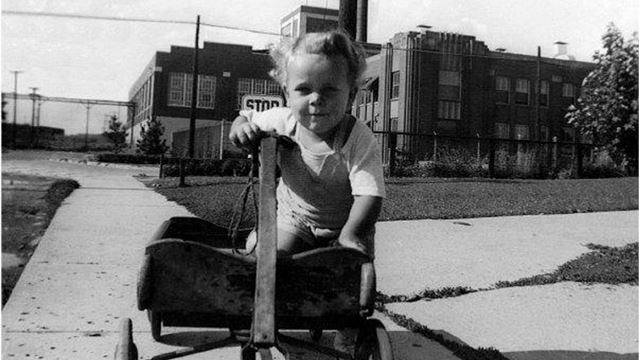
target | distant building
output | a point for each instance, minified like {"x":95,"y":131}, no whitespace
{"x":419,"y":82}
{"x":307,"y":19}
{"x":227,"y":72}
{"x":451,"y":84}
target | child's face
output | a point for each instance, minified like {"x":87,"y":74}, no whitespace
{"x":318,"y":90}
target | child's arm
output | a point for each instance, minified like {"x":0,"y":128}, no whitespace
{"x":361,"y":222}
{"x":244,"y":133}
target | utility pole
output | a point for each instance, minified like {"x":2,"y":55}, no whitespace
{"x":33,"y":103}
{"x":537,"y":128}
{"x":86,"y":131}
{"x":194,"y":94}
{"x":15,"y":105}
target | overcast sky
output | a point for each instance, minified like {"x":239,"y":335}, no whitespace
{"x":101,"y":59}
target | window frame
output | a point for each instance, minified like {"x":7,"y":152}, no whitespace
{"x":522,"y":84}
{"x":499,"y":130}
{"x":499,"y":91}
{"x":395,"y":78}
{"x":545,"y":95}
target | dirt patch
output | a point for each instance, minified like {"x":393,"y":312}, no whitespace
{"x":28,"y":204}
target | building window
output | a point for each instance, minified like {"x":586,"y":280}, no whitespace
{"x":502,"y":89}
{"x":449,"y":110}
{"x":544,"y":133}
{"x":502,"y":131}
{"x":247,"y":86}
{"x":544,"y":86}
{"x":181,"y":88}
{"x":522,"y":91}
{"x":395,"y":85}
{"x":522,"y":132}
{"x":568,"y":91}
{"x":286,"y":30}
{"x":176,"y":89}
{"x":394,"y":123}
{"x":206,"y":92}
{"x":295,"y":32}
{"x":449,"y":85}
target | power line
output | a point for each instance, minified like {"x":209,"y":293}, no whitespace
{"x":132,"y":19}
{"x":236,"y":28}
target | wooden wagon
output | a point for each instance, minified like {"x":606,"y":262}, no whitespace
{"x":192,"y":277}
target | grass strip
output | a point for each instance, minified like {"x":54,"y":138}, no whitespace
{"x":213,"y":199}
{"x":464,"y":352}
{"x":608,"y":265}
{"x":27,"y":218}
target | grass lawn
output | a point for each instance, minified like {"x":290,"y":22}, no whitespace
{"x":213,"y":199}
{"x":28,"y":204}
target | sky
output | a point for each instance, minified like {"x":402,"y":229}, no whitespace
{"x":100,"y":59}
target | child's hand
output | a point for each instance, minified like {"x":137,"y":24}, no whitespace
{"x":244,"y":134}
{"x":352,"y":242}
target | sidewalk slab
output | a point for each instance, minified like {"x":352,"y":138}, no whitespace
{"x":477,"y":253}
{"x":560,"y":317}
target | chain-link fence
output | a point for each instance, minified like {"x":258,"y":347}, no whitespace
{"x":440,"y":155}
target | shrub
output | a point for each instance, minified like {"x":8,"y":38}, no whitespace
{"x":450,"y":163}
{"x":127,"y":158}
{"x":208,"y":167}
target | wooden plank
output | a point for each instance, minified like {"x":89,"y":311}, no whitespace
{"x":264,"y":313}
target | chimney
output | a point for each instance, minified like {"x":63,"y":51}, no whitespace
{"x":347,"y":18}
{"x":562,"y":48}
{"x":362,"y":20}
{"x":562,"y":51}
{"x":423,"y":28}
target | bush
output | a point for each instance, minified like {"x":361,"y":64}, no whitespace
{"x":208,"y":167}
{"x":450,"y":163}
{"x":127,"y":158}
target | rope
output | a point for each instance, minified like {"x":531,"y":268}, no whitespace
{"x":237,"y":216}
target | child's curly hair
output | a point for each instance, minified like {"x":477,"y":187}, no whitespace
{"x":330,"y":43}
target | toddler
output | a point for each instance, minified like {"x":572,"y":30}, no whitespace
{"x":332,"y":183}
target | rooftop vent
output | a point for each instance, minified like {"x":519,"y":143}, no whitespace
{"x":562,"y":51}
{"x":423,"y":28}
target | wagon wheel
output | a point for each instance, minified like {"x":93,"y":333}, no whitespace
{"x":373,"y":342}
{"x":126,"y":349}
{"x":155,"y":318}
{"x":316,"y":334}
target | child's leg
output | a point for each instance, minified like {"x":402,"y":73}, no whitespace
{"x":345,"y":340}
{"x":288,"y":242}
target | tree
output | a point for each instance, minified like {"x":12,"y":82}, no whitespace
{"x":151,"y":142}
{"x":607,"y":108}
{"x":116,"y":134}
{"x":4,"y":113}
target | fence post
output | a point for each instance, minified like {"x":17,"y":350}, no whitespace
{"x":434,"y":146}
{"x":181,"y":167}
{"x":491,"y":158}
{"x":161,"y":174}
{"x":478,"y":150}
{"x":553,"y":163}
{"x":392,"y":145}
{"x":580,"y":161}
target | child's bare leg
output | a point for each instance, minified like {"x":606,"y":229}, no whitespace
{"x":288,"y":243}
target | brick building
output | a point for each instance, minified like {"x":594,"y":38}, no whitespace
{"x":419,"y":82}
{"x":451,"y":84}
{"x":226,"y":73}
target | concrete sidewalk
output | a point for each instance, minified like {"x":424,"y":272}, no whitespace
{"x":82,"y":279}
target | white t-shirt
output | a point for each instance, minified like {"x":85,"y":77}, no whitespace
{"x":318,"y":189}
